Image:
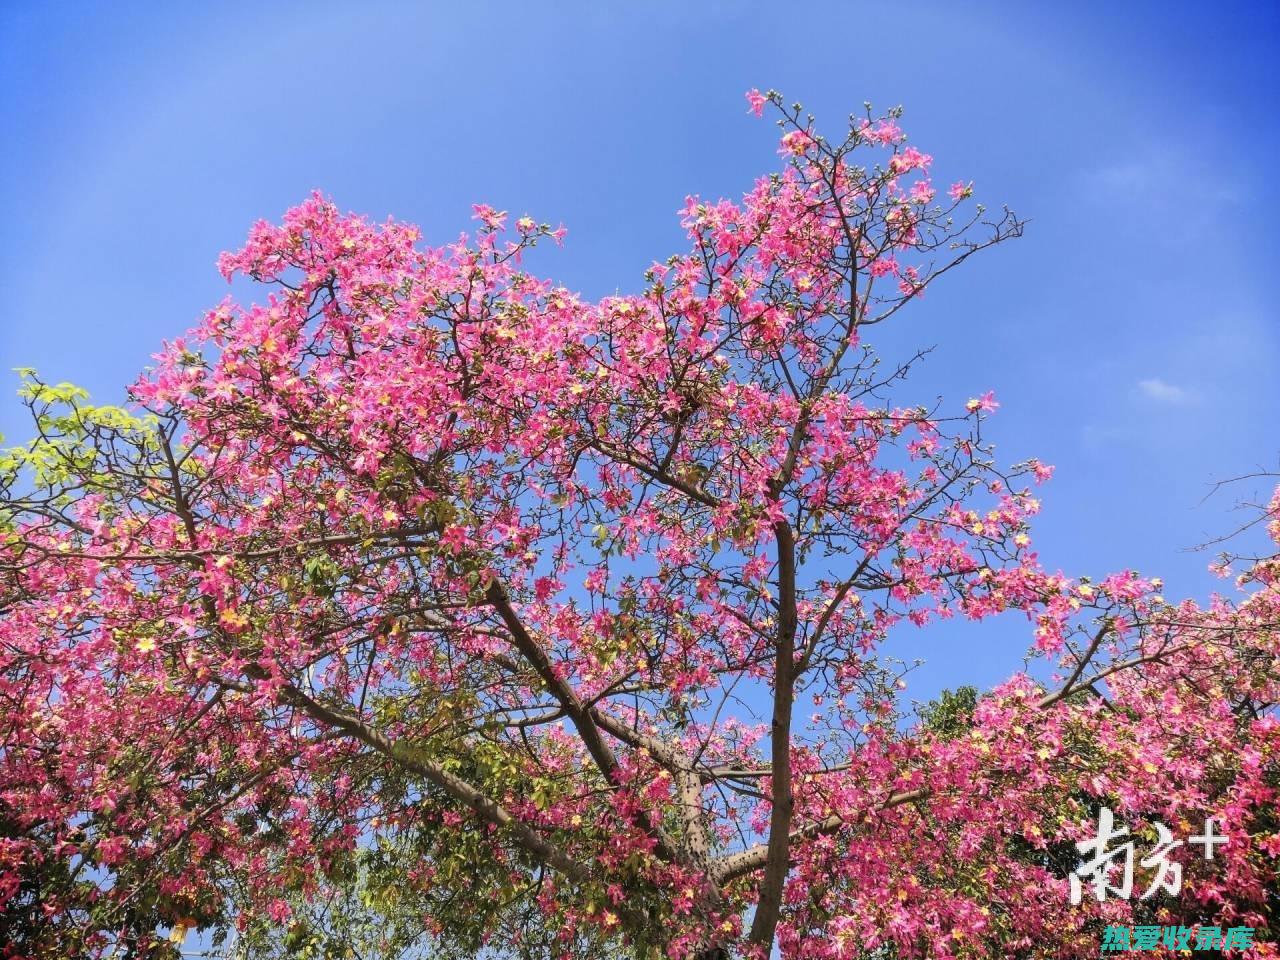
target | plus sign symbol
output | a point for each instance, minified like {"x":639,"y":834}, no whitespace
{"x":1208,"y":840}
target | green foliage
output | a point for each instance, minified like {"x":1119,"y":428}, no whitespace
{"x":75,"y":441}
{"x":951,"y":715}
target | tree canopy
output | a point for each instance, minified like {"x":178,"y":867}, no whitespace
{"x":426,"y":608}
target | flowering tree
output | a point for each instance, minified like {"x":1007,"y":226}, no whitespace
{"x":425,"y":608}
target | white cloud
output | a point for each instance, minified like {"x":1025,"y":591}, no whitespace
{"x":1162,"y":172}
{"x":1154,"y":184}
{"x":1158,"y":390}
{"x":1128,"y":178}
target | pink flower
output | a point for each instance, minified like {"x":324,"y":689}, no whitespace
{"x":883,"y":133}
{"x":796,"y":142}
{"x":909,"y":159}
{"x":985,"y":404}
{"x":279,"y":911}
{"x":491,"y":218}
{"x":757,"y":100}
{"x":921,"y":191}
{"x":882,"y":266}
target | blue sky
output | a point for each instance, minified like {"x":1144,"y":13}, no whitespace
{"x":1131,"y":336}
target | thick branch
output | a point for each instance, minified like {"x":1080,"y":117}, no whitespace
{"x":748,"y":861}
{"x":568,"y":699}
{"x":688,"y":782}
{"x":778,"y":848}
{"x":455,"y":787}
